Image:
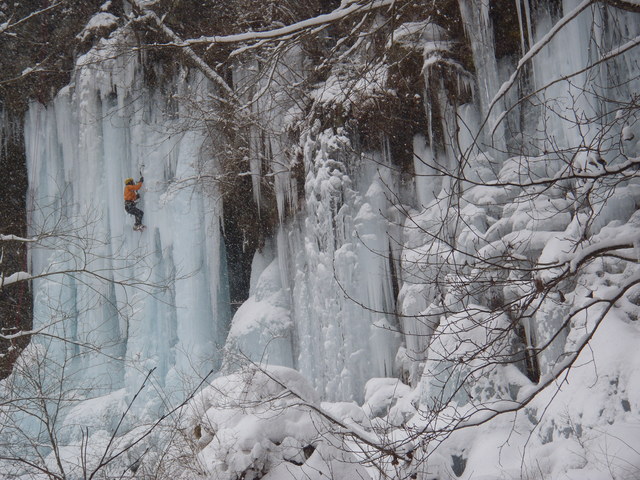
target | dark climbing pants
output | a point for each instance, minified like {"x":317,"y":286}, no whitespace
{"x":131,"y":209}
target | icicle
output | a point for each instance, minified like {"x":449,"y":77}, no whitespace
{"x":527,"y":9}
{"x":255,"y":163}
{"x":523,"y":45}
{"x":479,"y":29}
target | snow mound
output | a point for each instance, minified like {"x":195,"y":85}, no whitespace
{"x":262,"y":420}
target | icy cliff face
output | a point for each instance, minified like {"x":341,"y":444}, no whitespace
{"x":168,"y":306}
{"x":375,"y":268}
{"x":152,"y":302}
{"x":325,"y":266}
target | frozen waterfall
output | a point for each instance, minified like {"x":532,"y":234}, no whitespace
{"x":159,"y":299}
{"x":139,"y":301}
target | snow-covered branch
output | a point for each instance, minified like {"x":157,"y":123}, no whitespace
{"x":14,"y":278}
{"x":15,"y":238}
{"x":625,"y":241}
{"x":633,"y":43}
{"x":193,"y":56}
{"x":624,"y":170}
{"x":8,"y":25}
{"x":535,"y":49}
{"x":308,"y":24}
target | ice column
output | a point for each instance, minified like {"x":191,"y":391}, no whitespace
{"x":343,"y":301}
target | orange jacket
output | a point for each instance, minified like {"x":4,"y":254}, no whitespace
{"x":130,"y":194}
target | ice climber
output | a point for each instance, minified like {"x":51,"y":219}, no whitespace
{"x":131,"y":196}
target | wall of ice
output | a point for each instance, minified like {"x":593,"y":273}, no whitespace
{"x":159,"y":299}
{"x":560,"y":123}
{"x":326,"y":286}
{"x":322,"y":298}
{"x":132,"y":301}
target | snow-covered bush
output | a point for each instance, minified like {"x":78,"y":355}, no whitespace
{"x":263,"y":423}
